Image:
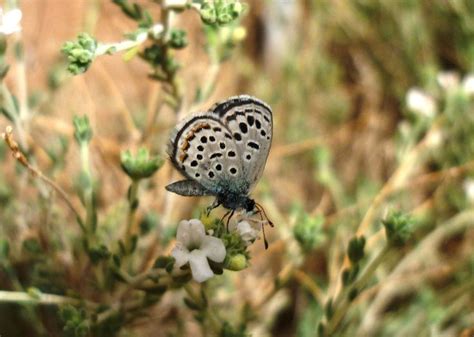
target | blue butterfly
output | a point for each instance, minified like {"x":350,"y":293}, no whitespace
{"x":223,"y":152}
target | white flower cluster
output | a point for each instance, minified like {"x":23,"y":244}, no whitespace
{"x":195,"y":247}
{"x":424,"y":104}
{"x":10,"y":21}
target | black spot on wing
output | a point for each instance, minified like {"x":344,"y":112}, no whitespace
{"x":250,"y":120}
{"x":216,"y":155}
{"x":253,"y":145}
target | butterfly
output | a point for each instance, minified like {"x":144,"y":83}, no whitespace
{"x":223,"y":152}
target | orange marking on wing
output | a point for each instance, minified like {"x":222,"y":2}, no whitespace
{"x":190,"y":136}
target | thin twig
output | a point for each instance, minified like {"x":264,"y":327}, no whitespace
{"x":41,"y":299}
{"x":21,"y":158}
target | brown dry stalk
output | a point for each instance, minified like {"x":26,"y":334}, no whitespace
{"x":21,"y":158}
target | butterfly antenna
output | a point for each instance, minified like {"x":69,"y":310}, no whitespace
{"x":262,"y":210}
{"x":265,"y":242}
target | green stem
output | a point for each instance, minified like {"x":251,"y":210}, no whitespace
{"x":342,"y":303}
{"x":213,"y":319}
{"x":40,"y":299}
{"x":132,"y":211}
{"x":88,"y":189}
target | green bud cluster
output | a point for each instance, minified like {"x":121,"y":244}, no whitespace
{"x":80,"y":53}
{"x":309,"y":232}
{"x":220,"y":12}
{"x":140,"y":166}
{"x":355,"y":252}
{"x":75,"y":321}
{"x":397,"y":228}
{"x":178,"y":39}
{"x":82,"y":129}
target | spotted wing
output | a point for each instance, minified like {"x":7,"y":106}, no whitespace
{"x":250,"y":122}
{"x":202,"y":149}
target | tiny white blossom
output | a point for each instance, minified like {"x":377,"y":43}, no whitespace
{"x":448,"y":80}
{"x":468,"y":186}
{"x":175,"y":3}
{"x":248,"y":233}
{"x":468,"y":84}
{"x":10,"y":21}
{"x":193,"y":246}
{"x":421,"y":103}
{"x":434,"y":139}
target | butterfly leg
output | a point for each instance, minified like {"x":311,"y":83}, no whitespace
{"x":215,"y":204}
{"x":228,"y":220}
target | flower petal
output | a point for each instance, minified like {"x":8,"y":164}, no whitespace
{"x":196,"y":232}
{"x":12,"y":17}
{"x":180,"y":254}
{"x":247,"y":232}
{"x":200,"y":266}
{"x":213,"y":248}
{"x":190,"y":233}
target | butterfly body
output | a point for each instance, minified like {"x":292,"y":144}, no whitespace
{"x":223,"y":152}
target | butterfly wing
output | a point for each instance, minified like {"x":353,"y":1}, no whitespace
{"x":202,"y":149}
{"x":250,"y":123}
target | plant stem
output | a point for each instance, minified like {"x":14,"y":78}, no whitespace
{"x":88,"y":189}
{"x":342,"y":303}
{"x":41,"y":299}
{"x":132,"y":211}
{"x":214,"y":321}
{"x":21,"y":158}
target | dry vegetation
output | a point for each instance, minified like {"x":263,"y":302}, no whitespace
{"x":371,"y":193}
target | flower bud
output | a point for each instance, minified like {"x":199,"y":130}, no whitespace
{"x":237,"y":262}
{"x":82,"y":129}
{"x":140,"y":166}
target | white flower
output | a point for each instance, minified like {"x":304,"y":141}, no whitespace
{"x":175,"y":3}
{"x":434,"y":139}
{"x":195,"y":247}
{"x":420,"y":102}
{"x":468,"y":186}
{"x":448,"y":80}
{"x":10,"y":21}
{"x":468,"y":84}
{"x":247,"y":232}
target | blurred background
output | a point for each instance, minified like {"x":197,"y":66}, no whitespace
{"x":373,"y":111}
